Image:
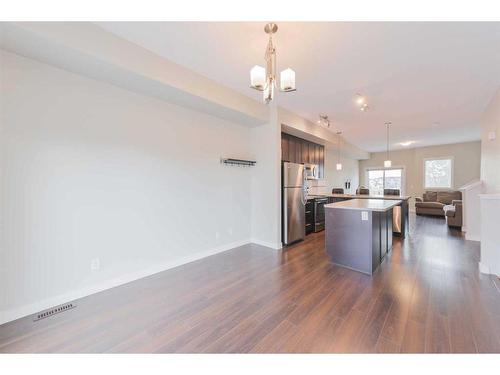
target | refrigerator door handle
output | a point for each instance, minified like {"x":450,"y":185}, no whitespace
{"x":303,"y":197}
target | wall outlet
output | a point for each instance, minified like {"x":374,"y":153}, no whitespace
{"x":364,"y":215}
{"x":230,"y":231}
{"x":492,"y":136}
{"x":95,"y":264}
{"x":217,"y":235}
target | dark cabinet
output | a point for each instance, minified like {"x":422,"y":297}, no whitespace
{"x":298,"y":150}
{"x":305,"y":153}
{"x":310,"y":216}
{"x":312,"y":154}
{"x":291,"y":150}
{"x":284,"y":149}
{"x":322,"y":162}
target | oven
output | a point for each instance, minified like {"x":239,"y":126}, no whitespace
{"x":319,"y":214}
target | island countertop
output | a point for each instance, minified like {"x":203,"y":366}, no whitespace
{"x":360,"y":196}
{"x":379,"y":205}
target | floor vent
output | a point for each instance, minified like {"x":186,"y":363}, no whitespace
{"x":53,"y":311}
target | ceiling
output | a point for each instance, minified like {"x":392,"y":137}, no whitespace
{"x":431,"y":80}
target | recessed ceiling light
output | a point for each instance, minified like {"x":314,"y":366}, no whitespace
{"x":360,"y":100}
{"x":405,"y":144}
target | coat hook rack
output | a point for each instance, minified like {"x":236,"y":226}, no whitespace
{"x":238,"y":162}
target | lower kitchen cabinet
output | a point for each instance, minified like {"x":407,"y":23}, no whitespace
{"x":309,"y":216}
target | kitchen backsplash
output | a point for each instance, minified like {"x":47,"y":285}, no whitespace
{"x":317,"y":187}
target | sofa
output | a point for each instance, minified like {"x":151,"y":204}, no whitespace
{"x":433,"y":202}
{"x":453,"y":213}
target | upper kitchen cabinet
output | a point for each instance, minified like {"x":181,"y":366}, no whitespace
{"x":284,"y":148}
{"x":322,"y":161}
{"x":312,"y":153}
{"x":298,"y":150}
{"x":292,"y":150}
{"x":305,"y":153}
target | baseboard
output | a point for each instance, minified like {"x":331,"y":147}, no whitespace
{"x":469,"y":237}
{"x":483,"y":268}
{"x":275,"y":246}
{"x":20,"y":312}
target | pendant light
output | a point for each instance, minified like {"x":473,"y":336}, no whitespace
{"x":387,"y":161}
{"x":264,"y":78}
{"x":339,"y":164}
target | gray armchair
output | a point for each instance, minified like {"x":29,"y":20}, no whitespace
{"x":453,"y":213}
{"x":433,"y":202}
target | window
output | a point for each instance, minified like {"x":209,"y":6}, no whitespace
{"x":380,"y":179}
{"x":438,"y":173}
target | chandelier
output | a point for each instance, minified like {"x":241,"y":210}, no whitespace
{"x":264,"y":79}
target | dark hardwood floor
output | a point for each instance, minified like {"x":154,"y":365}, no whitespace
{"x":427,"y":296}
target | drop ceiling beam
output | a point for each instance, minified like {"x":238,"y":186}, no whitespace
{"x":303,"y":128}
{"x":89,"y":50}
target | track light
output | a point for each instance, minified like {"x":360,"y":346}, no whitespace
{"x":361,"y":102}
{"x":387,"y":162}
{"x":324,"y":121}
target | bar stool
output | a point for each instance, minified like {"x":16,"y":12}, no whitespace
{"x":362,"y":191}
{"x":392,"y":192}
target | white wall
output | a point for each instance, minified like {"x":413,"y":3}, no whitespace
{"x":490,"y":236}
{"x":490,"y":175}
{"x":266,"y":182}
{"x":471,"y":207}
{"x":87,"y":49}
{"x":350,"y":171}
{"x":490,"y":149}
{"x":467,"y":160}
{"x":334,"y":178}
{"x":89,"y":170}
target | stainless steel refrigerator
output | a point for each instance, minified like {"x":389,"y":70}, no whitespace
{"x":294,"y":202}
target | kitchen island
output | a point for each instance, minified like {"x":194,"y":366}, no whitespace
{"x":359,"y":232}
{"x":401,"y":213}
